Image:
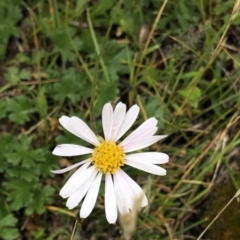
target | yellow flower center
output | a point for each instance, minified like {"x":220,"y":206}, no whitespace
{"x":108,"y":157}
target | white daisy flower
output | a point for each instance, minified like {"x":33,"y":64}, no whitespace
{"x":108,"y":157}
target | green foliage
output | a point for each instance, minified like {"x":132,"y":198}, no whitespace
{"x":3,"y":111}
{"x":192,"y":95}
{"x":41,"y":103}
{"x":10,"y":14}
{"x":19,"y":193}
{"x":156,"y":109}
{"x":22,"y":155}
{"x":101,"y":7}
{"x":71,"y":87}
{"x":20,"y":108}
{"x":8,"y":231}
{"x":40,"y":198}
{"x":14,"y":75}
{"x":22,"y":169}
{"x":23,"y":194}
{"x":48,"y":57}
{"x":114,"y":56}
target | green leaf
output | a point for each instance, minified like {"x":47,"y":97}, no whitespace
{"x":155,"y":108}
{"x":110,"y":92}
{"x":22,"y":173}
{"x":13,"y":158}
{"x":24,"y":74}
{"x":128,"y":25}
{"x":10,"y":14}
{"x":9,"y":233}
{"x":12,"y":75}
{"x":114,"y":55}
{"x":40,"y":199}
{"x":87,"y":41}
{"x":41,"y":103}
{"x":6,"y":146}
{"x":8,"y":221}
{"x":60,"y":39}
{"x":20,"y":108}
{"x":50,"y":163}
{"x":7,"y":228}
{"x":193,"y":96}
{"x":101,"y":7}
{"x":79,"y":7}
{"x":3,"y":111}
{"x":22,"y":153}
{"x":19,"y":193}
{"x":151,"y":74}
{"x":70,"y":86}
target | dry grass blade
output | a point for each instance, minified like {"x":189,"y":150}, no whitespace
{"x":236,"y":9}
{"x":143,"y":34}
{"x":234,"y":14}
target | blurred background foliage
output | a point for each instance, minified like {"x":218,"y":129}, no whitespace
{"x":162,"y":55}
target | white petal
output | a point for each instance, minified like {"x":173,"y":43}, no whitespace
{"x":78,"y":172}
{"x":139,"y":137}
{"x":79,"y":129}
{"x":128,"y":121}
{"x":76,"y":180}
{"x":107,"y":121}
{"x":65,"y":122}
{"x":145,"y":130}
{"x":69,"y":168}
{"x":71,"y":150}
{"x":91,"y":197}
{"x":150,"y":168}
{"x":77,"y":197}
{"x":83,"y":131}
{"x":121,"y":205}
{"x":142,"y":144}
{"x":137,"y":191}
{"x":118,"y":117}
{"x":125,"y":189}
{"x":148,"y":157}
{"x":110,"y":200}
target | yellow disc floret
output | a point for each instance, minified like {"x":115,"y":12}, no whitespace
{"x":108,"y":157}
